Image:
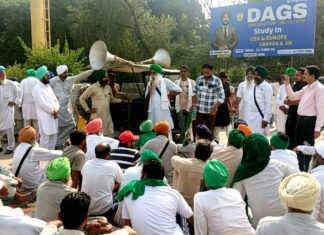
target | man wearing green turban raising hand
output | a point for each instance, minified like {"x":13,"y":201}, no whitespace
{"x":260,"y":102}
{"x":101,"y":95}
{"x":219,"y":210}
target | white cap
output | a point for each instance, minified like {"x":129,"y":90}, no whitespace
{"x":320,"y":148}
{"x":61,"y":69}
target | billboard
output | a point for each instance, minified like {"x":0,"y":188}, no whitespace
{"x":274,"y":28}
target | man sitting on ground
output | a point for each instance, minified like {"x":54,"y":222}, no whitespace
{"x":51,"y":193}
{"x":99,"y":177}
{"x":163,"y":147}
{"x":31,"y":173}
{"x":219,"y":210}
{"x":146,"y":128}
{"x":299,"y":192}
{"x":279,"y":150}
{"x":188,"y":172}
{"x":150,"y":206}
{"x":126,"y":154}
{"x":76,"y":155}
{"x":74,"y":216}
{"x":231,"y":155}
{"x":257,"y":175}
{"x":95,"y":137}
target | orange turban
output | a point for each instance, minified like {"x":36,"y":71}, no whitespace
{"x":162,"y":127}
{"x":26,"y":134}
{"x":94,"y":126}
{"x":247,"y":130}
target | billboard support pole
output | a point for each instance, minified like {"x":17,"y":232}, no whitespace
{"x":292,"y":61}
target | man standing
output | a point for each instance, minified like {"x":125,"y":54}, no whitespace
{"x":244,"y":91}
{"x":183,"y":101}
{"x":282,"y":108}
{"x":158,"y":92}
{"x":225,"y":37}
{"x":126,"y":154}
{"x":62,"y":86}
{"x":99,"y":177}
{"x":292,"y":116}
{"x":208,"y":95}
{"x":47,"y":107}
{"x":101,"y":95}
{"x":76,"y":155}
{"x":260,"y":102}
{"x":28,"y":104}
{"x":222,"y":118}
{"x":9,"y":97}
{"x":310,"y":111}
{"x":219,"y":210}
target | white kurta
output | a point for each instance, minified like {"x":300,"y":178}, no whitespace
{"x":221,"y":211}
{"x":46,"y":102}
{"x":275,"y":87}
{"x":318,"y":213}
{"x":263,"y":96}
{"x":9,"y":92}
{"x":244,"y":92}
{"x":281,"y":116}
{"x":286,"y":156}
{"x":62,"y":90}
{"x":156,"y":111}
{"x":290,"y":224}
{"x":262,"y":190}
{"x":28,"y":105}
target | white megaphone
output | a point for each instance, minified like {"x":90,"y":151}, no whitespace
{"x":161,"y":57}
{"x":101,"y":58}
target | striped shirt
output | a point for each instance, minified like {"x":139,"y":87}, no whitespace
{"x":208,"y":94}
{"x":124,"y":157}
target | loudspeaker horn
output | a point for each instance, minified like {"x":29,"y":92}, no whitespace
{"x":161,"y":57}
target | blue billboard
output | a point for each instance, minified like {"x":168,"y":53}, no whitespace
{"x":274,"y":28}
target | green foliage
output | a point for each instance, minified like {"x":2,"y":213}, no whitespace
{"x":53,"y":57}
{"x":16,"y":70}
{"x":236,"y":75}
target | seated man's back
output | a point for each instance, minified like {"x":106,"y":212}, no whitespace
{"x":93,"y":140}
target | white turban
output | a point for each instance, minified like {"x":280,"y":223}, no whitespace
{"x":61,"y":69}
{"x":300,"y":191}
{"x":320,"y":148}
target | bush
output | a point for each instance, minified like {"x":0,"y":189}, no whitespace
{"x":53,"y":57}
{"x":236,"y":75}
{"x":16,"y":70}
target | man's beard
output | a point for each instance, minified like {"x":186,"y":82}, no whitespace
{"x":155,"y":81}
{"x":45,"y":81}
{"x":2,"y":81}
{"x":34,"y":143}
{"x":249,"y":82}
{"x":103,"y":82}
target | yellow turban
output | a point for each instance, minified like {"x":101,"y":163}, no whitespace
{"x":300,"y":191}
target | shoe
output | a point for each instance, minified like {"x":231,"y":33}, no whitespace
{"x":8,"y":151}
{"x":1,"y":149}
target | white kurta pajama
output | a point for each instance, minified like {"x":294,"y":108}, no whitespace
{"x":62,"y":90}
{"x":9,"y":92}
{"x":46,"y":102}
{"x":263,"y":96}
{"x":159,"y":105}
{"x":281,"y":116}
{"x":28,"y":105}
{"x":244,"y":91}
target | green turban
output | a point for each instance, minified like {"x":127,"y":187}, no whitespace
{"x":262,"y":71}
{"x":278,"y":143}
{"x":291,"y":71}
{"x":2,"y":68}
{"x":215,"y":174}
{"x":146,"y":126}
{"x":31,"y":73}
{"x":41,"y":72}
{"x":256,"y":156}
{"x":99,"y":74}
{"x":236,"y":138}
{"x":58,"y":169}
{"x":157,"y":68}
{"x":249,"y":69}
{"x":147,"y":155}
